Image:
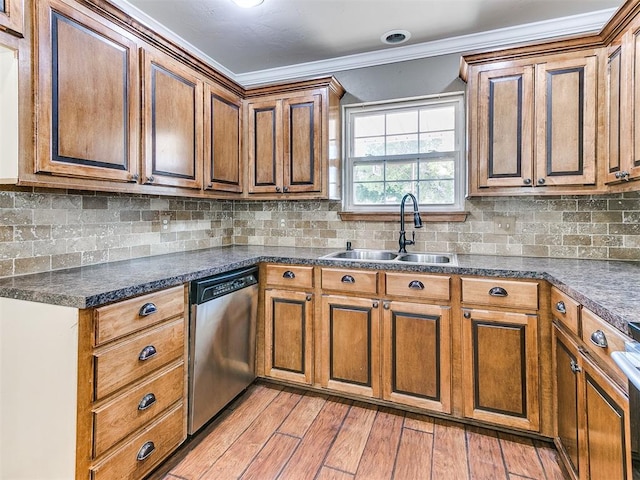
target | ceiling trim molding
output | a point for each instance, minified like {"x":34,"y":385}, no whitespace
{"x":501,"y":38}
{"x":505,"y":37}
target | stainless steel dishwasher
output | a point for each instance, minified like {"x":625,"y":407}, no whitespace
{"x":222,"y":332}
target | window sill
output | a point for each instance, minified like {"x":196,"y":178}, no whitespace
{"x":428,"y":217}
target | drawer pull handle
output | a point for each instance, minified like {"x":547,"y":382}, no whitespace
{"x":145,"y":450}
{"x":148,"y":400}
{"x":288,"y":274}
{"x":416,"y":285}
{"x":599,"y":339}
{"x":147,"y":352}
{"x":498,"y":292}
{"x":561,"y":307}
{"x":348,"y":279}
{"x":148,"y":309}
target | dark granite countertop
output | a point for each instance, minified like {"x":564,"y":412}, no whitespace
{"x":608,"y":288}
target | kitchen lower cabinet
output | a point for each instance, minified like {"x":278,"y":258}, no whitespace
{"x":416,"y":355}
{"x":593,"y":430}
{"x":115,"y":385}
{"x":350,"y":345}
{"x":288,"y":335}
{"x":500,"y":368}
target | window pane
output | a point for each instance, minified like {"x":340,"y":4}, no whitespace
{"x":396,"y":190}
{"x":437,"y":142}
{"x":402,"y":122}
{"x":443,"y":118}
{"x":437,"y":192}
{"x":402,"y":171}
{"x":368,"y":126}
{"x":402,"y":144}
{"x":363,"y":147}
{"x":437,"y":169}
{"x":368,"y":172}
{"x":368,"y":193}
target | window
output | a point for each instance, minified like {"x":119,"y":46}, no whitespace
{"x":405,"y":146}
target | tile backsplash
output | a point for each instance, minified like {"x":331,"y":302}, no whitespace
{"x":42,"y":229}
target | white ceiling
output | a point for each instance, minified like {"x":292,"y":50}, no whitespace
{"x":288,"y":38}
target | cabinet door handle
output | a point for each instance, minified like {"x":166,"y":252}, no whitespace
{"x":149,"y":180}
{"x":145,"y":450}
{"x":574,"y":367}
{"x":309,"y":297}
{"x":134,"y":178}
{"x":466,"y":314}
{"x":541,"y":181}
{"x":348,"y":279}
{"x":147,"y":352}
{"x":561,"y":307}
{"x":148,"y":400}
{"x":416,"y":285}
{"x":386,"y":305}
{"x":527,"y":181}
{"x":599,"y":339}
{"x":285,"y":189}
{"x":278,"y":189}
{"x":375,"y":305}
{"x":498,"y":292}
{"x":289,"y":274}
{"x":148,"y":309}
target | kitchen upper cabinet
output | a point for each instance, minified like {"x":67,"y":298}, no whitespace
{"x":416,"y":355}
{"x":292,"y":140}
{"x":12,"y":16}
{"x":222,"y":128}
{"x":88,"y":115}
{"x":350,"y":345}
{"x":533,"y":125}
{"x":623,"y":110}
{"x":284,"y":145}
{"x":172,"y":123}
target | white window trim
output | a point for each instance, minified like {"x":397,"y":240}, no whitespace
{"x":460,"y":164}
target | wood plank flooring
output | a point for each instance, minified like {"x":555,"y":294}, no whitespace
{"x":273,"y":432}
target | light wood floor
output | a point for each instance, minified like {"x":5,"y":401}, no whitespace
{"x":279,"y":433}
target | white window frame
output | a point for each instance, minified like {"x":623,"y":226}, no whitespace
{"x":351,"y":110}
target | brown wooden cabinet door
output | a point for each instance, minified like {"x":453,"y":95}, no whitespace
{"x":568,"y":385}
{"x":630,"y":162}
{"x":222,"y":124}
{"x":607,"y":430}
{"x":173,"y":123}
{"x":12,"y":16}
{"x":350,"y":345}
{"x":502,"y":153}
{"x":302,"y":144}
{"x":264,"y":146}
{"x":288,"y":335}
{"x":416,"y":355}
{"x":88,"y":97}
{"x":566,"y":121}
{"x":614,"y":113}
{"x":500,"y":369}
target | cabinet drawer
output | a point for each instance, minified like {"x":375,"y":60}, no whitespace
{"x":595,"y":330}
{"x":121,"y":364}
{"x":565,"y":309}
{"x":119,"y":319}
{"x":163,"y":436}
{"x":350,"y":281}
{"x":131,"y":410}
{"x":290,"y":276}
{"x":500,"y":293}
{"x":418,"y":286}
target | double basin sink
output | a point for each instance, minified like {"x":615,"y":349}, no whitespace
{"x":394,"y":257}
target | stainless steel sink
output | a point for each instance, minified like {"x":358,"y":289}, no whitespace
{"x":371,"y":255}
{"x":388,"y":256}
{"x":430,"y":258}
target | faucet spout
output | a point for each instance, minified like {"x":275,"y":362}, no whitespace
{"x":417,"y":223}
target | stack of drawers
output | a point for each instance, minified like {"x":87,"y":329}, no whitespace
{"x":138,"y":409}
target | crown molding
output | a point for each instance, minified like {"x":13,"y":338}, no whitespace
{"x":556,"y":28}
{"x":505,"y":37}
